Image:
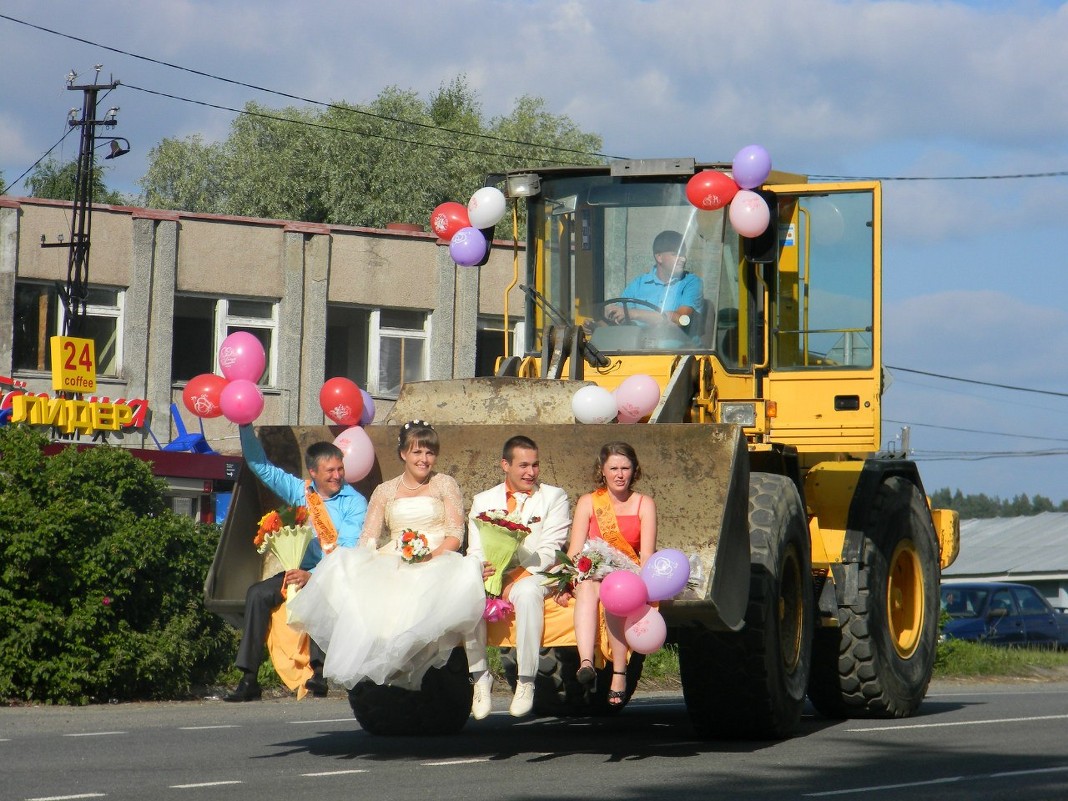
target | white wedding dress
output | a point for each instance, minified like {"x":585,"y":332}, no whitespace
{"x":380,"y":618}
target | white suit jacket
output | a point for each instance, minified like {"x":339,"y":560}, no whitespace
{"x":538,"y":549}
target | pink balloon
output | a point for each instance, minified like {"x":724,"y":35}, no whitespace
{"x":358,"y":454}
{"x":749,"y":213}
{"x":623,"y":592}
{"x":645,"y":630}
{"x":241,"y":401}
{"x":241,"y":355}
{"x":636,"y":397}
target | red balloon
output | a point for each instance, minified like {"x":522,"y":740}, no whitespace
{"x":710,"y":190}
{"x":448,"y":218}
{"x":203,"y":395}
{"x":342,"y":401}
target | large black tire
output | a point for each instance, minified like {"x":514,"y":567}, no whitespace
{"x":556,"y":691}
{"x":878,"y":662}
{"x":751,"y":683}
{"x":441,"y":705}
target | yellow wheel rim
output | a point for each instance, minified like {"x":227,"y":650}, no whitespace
{"x":904,"y":599}
{"x":791,"y":611}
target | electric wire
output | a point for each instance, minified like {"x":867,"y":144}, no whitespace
{"x":291,"y":96}
{"x":43,"y":157}
{"x":981,"y":383}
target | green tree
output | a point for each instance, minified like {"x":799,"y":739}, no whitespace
{"x":100,"y":583}
{"x":392,"y":160}
{"x":55,"y":181}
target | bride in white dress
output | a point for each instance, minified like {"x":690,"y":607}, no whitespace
{"x":378,"y":616}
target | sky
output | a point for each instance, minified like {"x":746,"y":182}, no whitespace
{"x":960,"y":107}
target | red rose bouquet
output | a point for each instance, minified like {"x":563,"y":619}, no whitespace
{"x":500,"y":535}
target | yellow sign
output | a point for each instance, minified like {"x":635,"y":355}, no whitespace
{"x":73,"y":364}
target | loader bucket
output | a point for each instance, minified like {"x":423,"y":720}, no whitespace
{"x":698,"y":475}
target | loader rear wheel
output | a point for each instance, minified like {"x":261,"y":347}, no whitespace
{"x":440,"y":706}
{"x":879,"y":661}
{"x":752,"y":683}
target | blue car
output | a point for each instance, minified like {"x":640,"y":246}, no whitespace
{"x":1002,"y":613}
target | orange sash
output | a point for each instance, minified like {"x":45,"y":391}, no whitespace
{"x":320,"y":518}
{"x":609,"y":526}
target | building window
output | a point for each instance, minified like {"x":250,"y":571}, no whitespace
{"x":489,"y":344}
{"x":39,"y":315}
{"x":379,"y":349}
{"x":201,"y":324}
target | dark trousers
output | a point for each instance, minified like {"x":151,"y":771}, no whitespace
{"x":261,"y":600}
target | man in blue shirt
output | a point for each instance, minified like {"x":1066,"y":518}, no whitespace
{"x":676,"y":293}
{"x":346,"y":508}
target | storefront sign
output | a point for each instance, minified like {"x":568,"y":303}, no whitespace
{"x":84,"y":416}
{"x":73,"y":364}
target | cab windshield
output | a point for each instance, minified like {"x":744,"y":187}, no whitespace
{"x":597,"y":267}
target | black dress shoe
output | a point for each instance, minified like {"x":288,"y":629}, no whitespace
{"x":317,"y":686}
{"x":246,"y":690}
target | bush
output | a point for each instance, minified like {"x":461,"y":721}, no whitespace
{"x":100,"y":583}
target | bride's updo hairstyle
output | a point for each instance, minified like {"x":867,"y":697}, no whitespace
{"x":623,"y":449}
{"x":418,"y":433}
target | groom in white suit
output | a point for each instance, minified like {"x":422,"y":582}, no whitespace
{"x":545,"y":509}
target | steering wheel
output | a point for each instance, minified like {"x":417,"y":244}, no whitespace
{"x":623,"y":302}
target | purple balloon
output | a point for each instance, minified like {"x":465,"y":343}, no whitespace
{"x":752,"y":166}
{"x":467,"y":247}
{"x":368,"y":415}
{"x":665,"y":574}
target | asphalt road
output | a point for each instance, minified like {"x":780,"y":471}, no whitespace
{"x":975,"y":741}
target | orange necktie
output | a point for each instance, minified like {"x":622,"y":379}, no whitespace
{"x":510,"y":504}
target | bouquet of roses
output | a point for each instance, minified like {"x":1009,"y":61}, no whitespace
{"x":285,"y":533}
{"x":595,"y":561}
{"x":413,"y":546}
{"x":500,"y":535}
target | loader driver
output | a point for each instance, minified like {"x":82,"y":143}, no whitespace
{"x":675,"y":293}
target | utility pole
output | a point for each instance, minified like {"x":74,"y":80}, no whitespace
{"x":76,"y":291}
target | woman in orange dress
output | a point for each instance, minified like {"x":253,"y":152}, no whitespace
{"x":625,"y":521}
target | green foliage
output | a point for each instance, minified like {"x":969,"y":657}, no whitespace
{"x":56,"y":181}
{"x":392,"y":160}
{"x":975,"y":507}
{"x":961,"y":659}
{"x":100,"y":583}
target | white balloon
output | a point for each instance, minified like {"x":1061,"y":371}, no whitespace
{"x":593,"y":404}
{"x":486,"y":207}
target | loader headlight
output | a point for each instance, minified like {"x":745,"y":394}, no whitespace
{"x":739,"y":414}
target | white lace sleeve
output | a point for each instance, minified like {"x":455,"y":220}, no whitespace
{"x":374,"y":525}
{"x":446,"y":488}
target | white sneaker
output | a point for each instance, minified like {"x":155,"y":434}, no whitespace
{"x":482,"y":701}
{"x":523,"y":702}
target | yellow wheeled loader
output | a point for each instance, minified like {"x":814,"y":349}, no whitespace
{"x":815,"y":556}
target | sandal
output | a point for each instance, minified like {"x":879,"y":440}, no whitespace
{"x":586,"y":673}
{"x":617,"y":697}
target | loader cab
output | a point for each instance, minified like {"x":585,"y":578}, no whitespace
{"x":789,"y":319}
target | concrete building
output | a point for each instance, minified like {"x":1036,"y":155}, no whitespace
{"x":377,"y":306}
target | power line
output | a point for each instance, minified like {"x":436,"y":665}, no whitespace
{"x":1010,"y":177}
{"x":979,"y":456}
{"x":976,"y":431}
{"x":300,"y":98}
{"x":980,"y":383}
{"x":336,"y":128}
{"x":43,"y":157}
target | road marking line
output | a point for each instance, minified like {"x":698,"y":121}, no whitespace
{"x":958,"y":723}
{"x":447,"y":762}
{"x":948,"y":780}
{"x":93,"y":733}
{"x":201,"y":784}
{"x":66,"y":797}
{"x":332,"y":720}
{"x":200,"y":728}
{"x":877,"y":787}
{"x":334,"y":773}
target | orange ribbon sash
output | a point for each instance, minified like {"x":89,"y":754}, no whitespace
{"x":609,"y":526}
{"x":320,"y":518}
